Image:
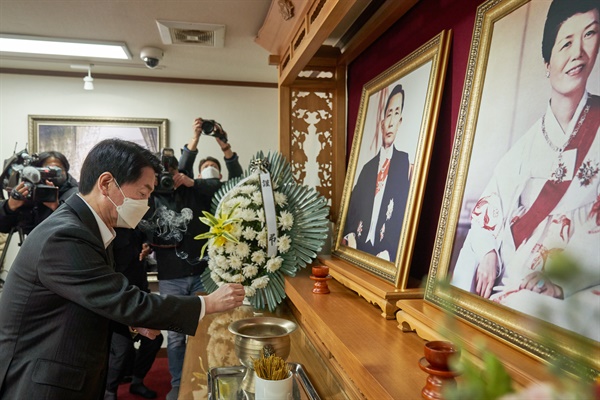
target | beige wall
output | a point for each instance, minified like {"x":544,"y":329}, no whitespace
{"x":249,"y":115}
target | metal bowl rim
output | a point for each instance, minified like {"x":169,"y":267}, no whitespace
{"x":288,"y":325}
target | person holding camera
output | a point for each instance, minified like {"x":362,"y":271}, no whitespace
{"x":24,"y":212}
{"x":178,"y":258}
{"x":209,"y":167}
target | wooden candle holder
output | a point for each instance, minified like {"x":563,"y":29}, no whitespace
{"x":320,"y":274}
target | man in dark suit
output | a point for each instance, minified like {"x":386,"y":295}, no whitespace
{"x":378,"y":200}
{"x":62,"y":291}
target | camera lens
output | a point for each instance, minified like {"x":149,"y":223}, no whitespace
{"x":208,"y":126}
{"x":166,"y":182}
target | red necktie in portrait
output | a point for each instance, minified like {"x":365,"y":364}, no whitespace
{"x":382,"y":175}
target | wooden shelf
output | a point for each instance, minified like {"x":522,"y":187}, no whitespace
{"x":373,"y":289}
{"x":372,"y":358}
{"x":431,"y":323}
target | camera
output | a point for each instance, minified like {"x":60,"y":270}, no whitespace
{"x":211,"y":128}
{"x":19,"y":168}
{"x":164,"y":180}
{"x":151,"y":56}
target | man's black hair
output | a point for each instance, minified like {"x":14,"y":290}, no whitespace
{"x":123,"y":159}
{"x":209,"y":158}
{"x":396,"y":90}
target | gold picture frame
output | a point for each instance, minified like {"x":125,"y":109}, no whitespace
{"x":497,"y":116}
{"x":75,"y":136}
{"x":421,"y":77}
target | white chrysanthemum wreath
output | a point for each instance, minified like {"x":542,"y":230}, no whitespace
{"x":265,"y":225}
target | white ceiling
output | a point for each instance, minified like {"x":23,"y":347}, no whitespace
{"x":134,"y":22}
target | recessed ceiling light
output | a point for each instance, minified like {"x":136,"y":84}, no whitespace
{"x":63,"y":47}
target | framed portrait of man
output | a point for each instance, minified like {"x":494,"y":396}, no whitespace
{"x":389,"y":162}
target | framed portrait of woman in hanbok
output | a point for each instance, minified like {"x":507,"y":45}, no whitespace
{"x":389,"y":162}
{"x":517,"y":249}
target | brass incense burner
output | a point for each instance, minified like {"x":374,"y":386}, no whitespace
{"x":260,"y":336}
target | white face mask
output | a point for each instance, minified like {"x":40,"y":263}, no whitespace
{"x":131,"y":212}
{"x":210,"y":173}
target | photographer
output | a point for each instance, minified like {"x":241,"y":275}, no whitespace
{"x":178,"y":257}
{"x":18,"y":211}
{"x":209,"y":167}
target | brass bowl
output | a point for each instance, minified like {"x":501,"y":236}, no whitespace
{"x":260,"y":336}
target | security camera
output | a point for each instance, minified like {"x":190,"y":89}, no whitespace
{"x":151,"y":56}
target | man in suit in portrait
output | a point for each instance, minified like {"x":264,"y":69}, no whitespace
{"x":378,"y":200}
{"x":62,"y":291}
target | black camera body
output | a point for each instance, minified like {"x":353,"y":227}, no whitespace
{"x":211,"y":128}
{"x":18,"y":169}
{"x":164,"y":180}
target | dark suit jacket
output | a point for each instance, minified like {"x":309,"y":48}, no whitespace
{"x":60,"y":294}
{"x":388,"y":228}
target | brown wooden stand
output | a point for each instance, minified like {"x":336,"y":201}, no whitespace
{"x":371,"y":288}
{"x":431,"y":323}
{"x":320,"y":286}
{"x":437,"y":380}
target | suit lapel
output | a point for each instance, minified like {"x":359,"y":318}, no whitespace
{"x":83,"y":212}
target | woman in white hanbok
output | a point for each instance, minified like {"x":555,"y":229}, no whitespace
{"x":544,"y":196}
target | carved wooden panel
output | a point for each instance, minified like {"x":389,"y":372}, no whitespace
{"x":311,"y":154}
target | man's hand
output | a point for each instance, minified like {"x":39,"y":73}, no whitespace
{"x":226,"y":297}
{"x":384,"y":255}
{"x":146,"y":249}
{"x":486,"y":274}
{"x":198,"y":127}
{"x":180,"y":179}
{"x":350,"y":240}
{"x":17,"y":196}
{"x":149,"y":333}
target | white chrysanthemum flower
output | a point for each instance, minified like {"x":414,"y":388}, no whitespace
{"x":242,"y":249}
{"x":229,"y":247}
{"x":249,"y":233}
{"x":250,"y":291}
{"x":260,"y":282}
{"x":250,"y":270}
{"x":261,"y":238}
{"x":237,"y":278}
{"x":235,"y":262}
{"x":280,"y":199}
{"x":221,"y":262}
{"x":285,"y":220}
{"x":247,"y":215}
{"x":260,"y":216}
{"x":215,"y":277}
{"x":236,"y":230}
{"x":284,"y":243}
{"x":257,"y":198}
{"x":259,"y":257}
{"x":248,"y":189}
{"x":225,"y":275}
{"x":274,"y":264}
{"x":243,"y":203}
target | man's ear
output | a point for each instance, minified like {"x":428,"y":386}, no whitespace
{"x":103,"y":180}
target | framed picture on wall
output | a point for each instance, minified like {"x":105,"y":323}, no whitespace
{"x":75,"y":136}
{"x":389,"y":162}
{"x":517,"y":251}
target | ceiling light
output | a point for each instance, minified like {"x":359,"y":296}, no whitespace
{"x":88,"y":81}
{"x":63,"y":47}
